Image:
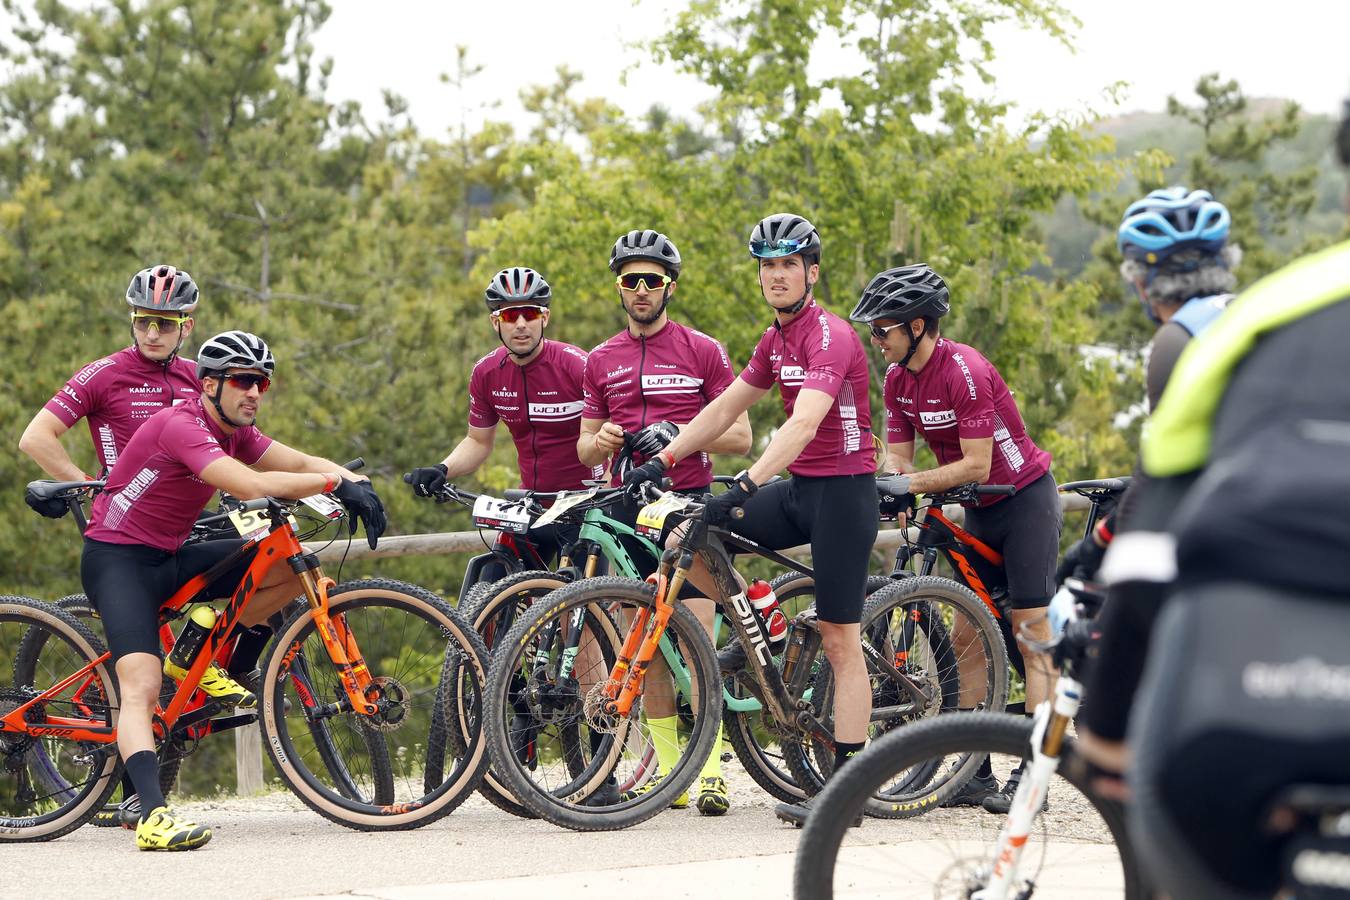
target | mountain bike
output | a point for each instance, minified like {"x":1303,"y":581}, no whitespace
{"x":600,"y":547}
{"x":342,"y":718}
{"x":173,"y":751}
{"x":621,"y":623}
{"x":1077,"y":848}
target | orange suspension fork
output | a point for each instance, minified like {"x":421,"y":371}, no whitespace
{"x":646,"y":633}
{"x":339,"y":641}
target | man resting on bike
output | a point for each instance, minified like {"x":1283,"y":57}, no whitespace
{"x":820,"y":367}
{"x":956,"y":400}
{"x":533,"y":384}
{"x":134,"y":558}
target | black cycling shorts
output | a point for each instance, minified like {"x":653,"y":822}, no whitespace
{"x":128,"y":583}
{"x":837,"y":515}
{"x":1025,"y":529}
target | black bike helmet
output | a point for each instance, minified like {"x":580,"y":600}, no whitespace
{"x":163,"y":288}
{"x":234,"y":350}
{"x":783,"y":234}
{"x":904,"y":293}
{"x":649,"y":245}
{"x":517,"y":285}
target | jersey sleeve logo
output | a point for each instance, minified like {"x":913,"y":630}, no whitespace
{"x":84,"y":376}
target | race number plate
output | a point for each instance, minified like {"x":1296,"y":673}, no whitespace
{"x":324,"y":505}
{"x":652,"y":518}
{"x":564,"y":502}
{"x":252,"y":524}
{"x":491,"y":512}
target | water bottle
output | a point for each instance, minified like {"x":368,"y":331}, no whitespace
{"x":763,"y":599}
{"x":190,"y":640}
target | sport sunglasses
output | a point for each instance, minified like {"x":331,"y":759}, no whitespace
{"x":880,"y":331}
{"x":515,"y":313}
{"x":635,"y":280}
{"x":164,"y":324}
{"x":245,"y":381}
{"x":772,"y":249}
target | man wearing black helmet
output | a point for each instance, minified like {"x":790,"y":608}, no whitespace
{"x":956,"y":400}
{"x":533,"y":385}
{"x":831,"y":501}
{"x":649,"y":380}
{"x":134,"y":558}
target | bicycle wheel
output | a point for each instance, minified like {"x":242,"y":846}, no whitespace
{"x":547,"y":682}
{"x":495,"y":610}
{"x":1077,"y":847}
{"x":931,"y":647}
{"x":52,"y":784}
{"x":27,"y":663}
{"x":402,"y":632}
{"x":753,"y":738}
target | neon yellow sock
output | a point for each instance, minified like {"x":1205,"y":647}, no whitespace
{"x":666,"y":737}
{"x":712,"y":767}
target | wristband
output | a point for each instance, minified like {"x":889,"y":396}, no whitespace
{"x":667,"y":459}
{"x":333,"y":481}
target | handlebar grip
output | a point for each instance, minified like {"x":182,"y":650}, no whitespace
{"x":407,"y":478}
{"x":1003,"y":489}
{"x":259,"y":503}
{"x":514,"y":494}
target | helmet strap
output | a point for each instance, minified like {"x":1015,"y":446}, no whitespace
{"x":527,"y":353}
{"x":215,"y":401}
{"x":914,"y":342}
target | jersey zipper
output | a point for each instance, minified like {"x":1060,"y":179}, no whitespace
{"x":642,"y":363}
{"x":529,"y":421}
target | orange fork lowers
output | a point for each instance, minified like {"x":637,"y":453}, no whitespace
{"x":341,"y":644}
{"x":640,"y":645}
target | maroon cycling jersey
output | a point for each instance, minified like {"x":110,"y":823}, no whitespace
{"x":959,"y":394}
{"x":541,"y":405}
{"x":669,"y":376}
{"x":118,"y":393}
{"x":821,"y":351}
{"x":155,"y":493}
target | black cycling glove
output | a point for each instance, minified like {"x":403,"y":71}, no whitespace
{"x":654,"y":438}
{"x":891,"y":504}
{"x":428,"y":480}
{"x":51,"y":507}
{"x":650,"y":472}
{"x":717,"y":512}
{"x":1082,"y":560}
{"x":363,"y":503}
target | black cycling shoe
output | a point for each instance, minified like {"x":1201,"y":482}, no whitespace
{"x":975,"y":792}
{"x":795,"y":814}
{"x":1001,"y":802}
{"x":110,"y":816}
{"x":252,"y":680}
{"x":607,"y":795}
{"x":731,"y":658}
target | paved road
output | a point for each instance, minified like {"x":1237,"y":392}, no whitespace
{"x":271,"y":847}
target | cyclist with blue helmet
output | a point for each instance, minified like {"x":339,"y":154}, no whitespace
{"x":1180,"y":264}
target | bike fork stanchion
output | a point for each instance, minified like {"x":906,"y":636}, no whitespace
{"x":1047,"y":741}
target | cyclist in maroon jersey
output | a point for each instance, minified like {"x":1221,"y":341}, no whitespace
{"x":954,"y":398}
{"x":134,"y":558}
{"x":820,"y":367}
{"x":533,"y":385}
{"x":649,"y":380}
{"x":119,"y":392}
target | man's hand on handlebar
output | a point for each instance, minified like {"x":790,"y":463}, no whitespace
{"x":427,"y":480}
{"x":894,"y":498}
{"x":363,"y":503}
{"x":651,"y":472}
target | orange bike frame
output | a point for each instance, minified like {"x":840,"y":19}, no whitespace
{"x":278,"y":547}
{"x":963,"y":565}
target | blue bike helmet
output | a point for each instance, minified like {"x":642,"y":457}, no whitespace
{"x":1171,"y":220}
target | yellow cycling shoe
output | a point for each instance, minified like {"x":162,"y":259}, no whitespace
{"x":162,"y":830}
{"x":217,"y":684}
{"x":680,"y":802}
{"x":712,"y":796}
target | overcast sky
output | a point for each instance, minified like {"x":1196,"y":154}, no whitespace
{"x":1294,"y":48}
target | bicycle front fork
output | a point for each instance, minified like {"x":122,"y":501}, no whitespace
{"x":336,"y":637}
{"x":1047,"y":744}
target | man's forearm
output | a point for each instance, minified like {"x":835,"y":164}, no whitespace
{"x":702,"y":433}
{"x":48,"y":453}
{"x":963,"y":471}
{"x":787,"y":444}
{"x":467,"y":456}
